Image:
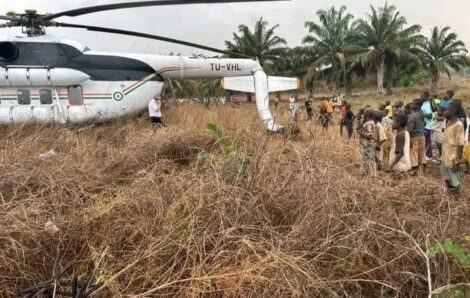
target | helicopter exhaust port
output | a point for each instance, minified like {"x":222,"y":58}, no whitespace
{"x":8,"y":51}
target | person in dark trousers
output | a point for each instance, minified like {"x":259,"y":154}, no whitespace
{"x":155,"y":111}
{"x":428,"y":109}
{"x":342,"y":113}
{"x":308,"y":107}
{"x":349,"y":120}
{"x":416,"y":130}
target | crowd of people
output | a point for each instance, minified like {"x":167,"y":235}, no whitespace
{"x":401,"y":138}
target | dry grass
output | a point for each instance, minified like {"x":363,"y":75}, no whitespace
{"x":138,"y":210}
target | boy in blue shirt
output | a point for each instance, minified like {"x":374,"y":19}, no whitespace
{"x":428,"y":110}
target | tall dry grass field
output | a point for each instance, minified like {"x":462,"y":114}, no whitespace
{"x":173,"y":212}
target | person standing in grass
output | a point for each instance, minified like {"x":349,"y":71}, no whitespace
{"x":368,"y":144}
{"x":277,"y":99}
{"x":326,"y":108}
{"x":452,"y":149}
{"x":342,"y":113}
{"x":398,"y":108}
{"x":155,"y":111}
{"x":389,"y":109}
{"x":427,"y":108}
{"x":330,"y":108}
{"x":349,"y":120}
{"x":400,"y":161}
{"x":416,"y":130}
{"x":308,"y":107}
{"x":387,"y":124}
{"x":293,"y":108}
{"x":380,"y":138}
{"x":438,"y":127}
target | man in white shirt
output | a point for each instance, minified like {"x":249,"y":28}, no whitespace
{"x":293,"y":107}
{"x":155,"y":111}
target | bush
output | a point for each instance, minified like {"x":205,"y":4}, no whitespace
{"x":260,"y":215}
{"x":412,"y":80}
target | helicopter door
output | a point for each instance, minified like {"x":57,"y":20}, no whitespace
{"x":44,"y":111}
{"x":22,"y":110}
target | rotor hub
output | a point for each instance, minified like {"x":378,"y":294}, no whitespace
{"x":30,"y":21}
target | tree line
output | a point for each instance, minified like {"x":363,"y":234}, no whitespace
{"x":338,"y":47}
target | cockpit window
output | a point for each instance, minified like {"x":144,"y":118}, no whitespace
{"x":8,"y":51}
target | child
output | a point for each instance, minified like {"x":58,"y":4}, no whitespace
{"x":389,"y":109}
{"x":387,"y":124}
{"x":325,"y":106}
{"x":293,"y":108}
{"x":349,"y":120}
{"x":452,"y":149}
{"x":277,"y":99}
{"x":366,"y":133}
{"x":342,"y":112}
{"x":308,"y":107}
{"x":398,"y":108}
{"x":330,"y":108}
{"x":400,"y":161}
{"x":379,"y":137}
{"x":438,"y":126}
{"x":359,"y":118}
{"x":467,"y":149}
{"x":416,"y":130}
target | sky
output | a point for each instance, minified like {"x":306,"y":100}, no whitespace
{"x":213,"y":24}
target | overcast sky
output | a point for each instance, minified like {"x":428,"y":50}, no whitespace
{"x":213,"y":24}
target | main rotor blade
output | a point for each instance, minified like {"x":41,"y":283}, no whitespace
{"x":6,"y":18}
{"x":150,"y":36}
{"x":105,"y":7}
{"x":9,"y":25}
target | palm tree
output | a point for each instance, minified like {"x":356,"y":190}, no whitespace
{"x":296,"y":62}
{"x":383,"y":39}
{"x":330,"y":38}
{"x":178,"y":88}
{"x":441,"y":53}
{"x":261,"y":43}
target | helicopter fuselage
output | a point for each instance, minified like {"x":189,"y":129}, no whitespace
{"x":48,"y":79}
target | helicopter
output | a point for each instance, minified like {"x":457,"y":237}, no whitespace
{"x":48,"y":79}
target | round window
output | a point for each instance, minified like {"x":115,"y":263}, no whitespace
{"x":8,"y":51}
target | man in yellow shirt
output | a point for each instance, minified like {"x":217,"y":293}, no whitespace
{"x":389,"y":109}
{"x":452,"y":149}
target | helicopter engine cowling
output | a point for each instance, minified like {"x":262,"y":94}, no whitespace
{"x":40,"y":77}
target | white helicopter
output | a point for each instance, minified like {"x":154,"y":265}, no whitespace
{"x":47,"y":79}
